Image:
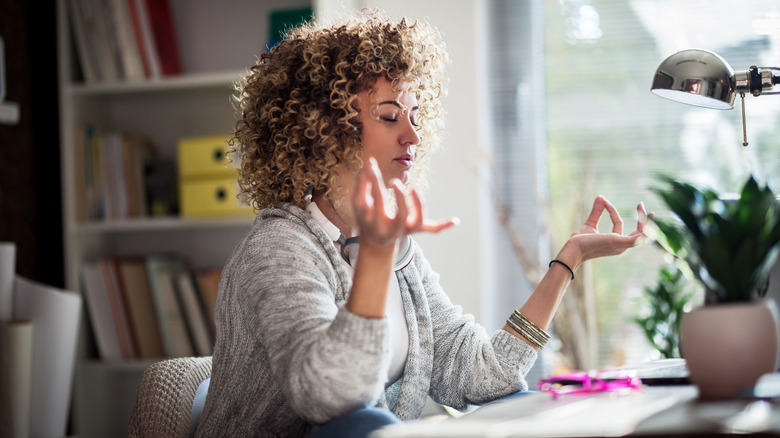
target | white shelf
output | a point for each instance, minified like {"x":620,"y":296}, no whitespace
{"x":162,"y":224}
{"x":191,"y":81}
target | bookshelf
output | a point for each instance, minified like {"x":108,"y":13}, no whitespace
{"x":196,"y":102}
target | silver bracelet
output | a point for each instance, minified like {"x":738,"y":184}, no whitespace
{"x":537,"y":343}
{"x":528,"y":329}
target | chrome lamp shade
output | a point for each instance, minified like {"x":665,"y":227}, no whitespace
{"x":702,"y":78}
{"x":696,"y":77}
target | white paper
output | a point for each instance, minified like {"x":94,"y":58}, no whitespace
{"x":7,"y":273}
{"x":16,"y":341}
{"x":55,"y":315}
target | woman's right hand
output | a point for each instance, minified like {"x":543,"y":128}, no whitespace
{"x":379,"y":232}
{"x":377,"y":226}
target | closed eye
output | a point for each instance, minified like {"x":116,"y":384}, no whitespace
{"x":392,"y":118}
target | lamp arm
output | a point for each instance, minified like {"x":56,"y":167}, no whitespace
{"x":775,"y":78}
{"x":756,"y":79}
{"x":770,"y":81}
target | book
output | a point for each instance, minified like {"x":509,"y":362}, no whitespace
{"x":194,"y":313}
{"x":162,"y":26}
{"x":138,"y":34}
{"x":81,"y":37}
{"x":98,"y":183}
{"x":280,"y":21}
{"x":161,"y":270}
{"x":147,"y":36}
{"x":132,"y":67}
{"x":136,"y":154}
{"x":100,"y":315}
{"x":111,"y":178}
{"x":180,"y":342}
{"x":91,"y":169}
{"x":117,"y":305}
{"x":140,"y":308}
{"x":80,"y":172}
{"x":125,"y":159}
{"x":208,"y":284}
{"x":106,"y":55}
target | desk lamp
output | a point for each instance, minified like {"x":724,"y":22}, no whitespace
{"x":702,"y":78}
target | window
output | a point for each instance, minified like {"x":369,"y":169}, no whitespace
{"x":604,"y":132}
{"x":608,"y":134}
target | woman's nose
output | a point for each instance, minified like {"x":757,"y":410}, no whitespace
{"x":410,"y":135}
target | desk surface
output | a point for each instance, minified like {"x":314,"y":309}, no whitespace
{"x":652,"y":411}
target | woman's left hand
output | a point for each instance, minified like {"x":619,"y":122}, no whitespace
{"x":587,"y":243}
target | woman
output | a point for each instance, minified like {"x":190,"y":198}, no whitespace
{"x":311,"y":337}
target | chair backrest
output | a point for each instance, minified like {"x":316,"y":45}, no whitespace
{"x":164,"y":404}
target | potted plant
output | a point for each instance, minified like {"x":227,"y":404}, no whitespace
{"x":730,"y":245}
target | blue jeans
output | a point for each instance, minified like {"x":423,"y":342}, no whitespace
{"x":511,"y":396}
{"x":358,"y":424}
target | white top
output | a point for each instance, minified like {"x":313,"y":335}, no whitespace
{"x":394,"y":308}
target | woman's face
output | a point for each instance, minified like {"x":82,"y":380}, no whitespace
{"x":389,"y":132}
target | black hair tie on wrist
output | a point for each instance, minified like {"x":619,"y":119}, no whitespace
{"x":571,"y":271}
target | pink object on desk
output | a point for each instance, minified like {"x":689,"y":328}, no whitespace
{"x":594,"y":381}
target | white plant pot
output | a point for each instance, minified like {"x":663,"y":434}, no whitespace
{"x":727,"y":347}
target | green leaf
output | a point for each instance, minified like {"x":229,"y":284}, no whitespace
{"x":729,"y":244}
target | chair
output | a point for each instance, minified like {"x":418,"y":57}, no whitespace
{"x":166,"y":404}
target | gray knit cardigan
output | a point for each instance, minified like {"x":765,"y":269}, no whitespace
{"x":289,"y":356}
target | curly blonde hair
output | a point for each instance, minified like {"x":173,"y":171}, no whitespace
{"x":298,"y":104}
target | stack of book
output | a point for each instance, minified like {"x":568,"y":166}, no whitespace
{"x":118,"y":40}
{"x":150,"y":307}
{"x":119,"y":176}
{"x":110,"y":172}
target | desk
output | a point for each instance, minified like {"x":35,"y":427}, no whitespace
{"x":649,"y":412}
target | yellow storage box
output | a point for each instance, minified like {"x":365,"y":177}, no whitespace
{"x":211,"y":197}
{"x":207,"y":179}
{"x":204,"y":157}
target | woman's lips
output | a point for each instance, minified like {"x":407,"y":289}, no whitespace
{"x":405,"y":159}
